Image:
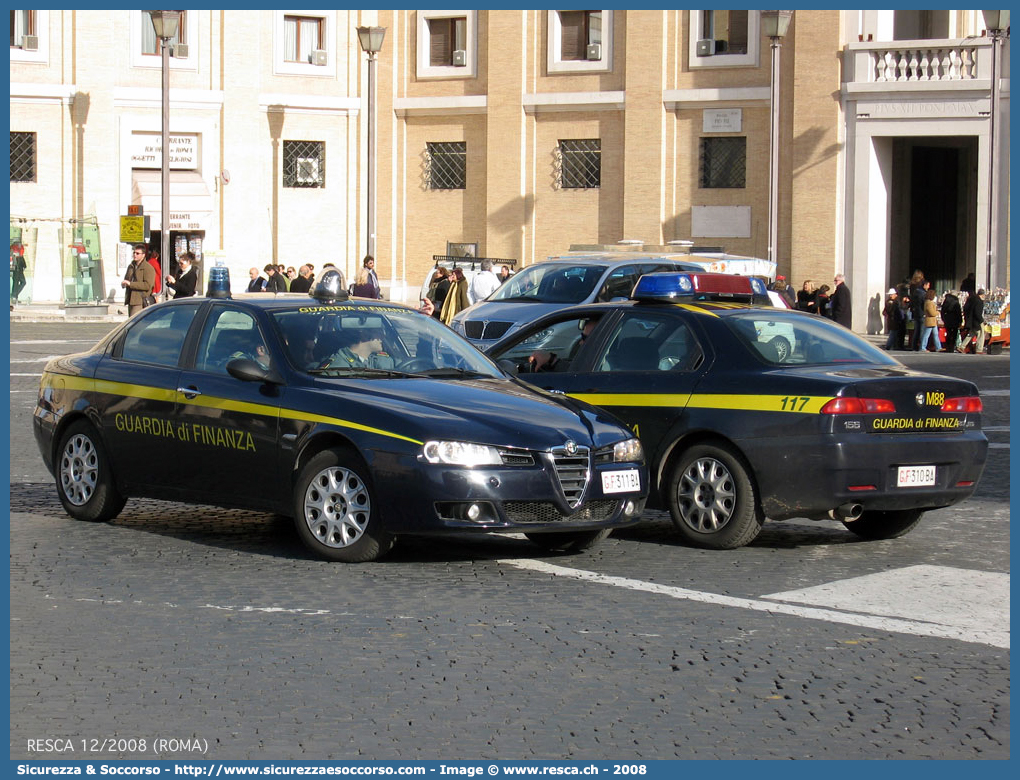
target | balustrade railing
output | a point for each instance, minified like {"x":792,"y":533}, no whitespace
{"x":920,"y":61}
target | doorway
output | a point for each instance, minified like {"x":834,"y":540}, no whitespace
{"x":933,"y":225}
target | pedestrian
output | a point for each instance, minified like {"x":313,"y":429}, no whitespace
{"x":918,"y":290}
{"x":303,"y":282}
{"x":157,"y":287}
{"x":484,"y":283}
{"x":974,"y":319}
{"x":275,"y":281}
{"x":807,"y":298}
{"x":894,"y":318}
{"x":841,"y":302}
{"x":785,"y":289}
{"x":952,"y":318}
{"x":138,"y":281}
{"x":438,"y":289}
{"x":504,"y":273}
{"x":362,"y":287}
{"x":822,"y":301}
{"x":456,"y":298}
{"x":968,"y":284}
{"x":18,"y":266}
{"x":186,"y":281}
{"x":290,"y":274}
{"x":257,"y":283}
{"x":931,"y":322}
{"x":373,"y":279}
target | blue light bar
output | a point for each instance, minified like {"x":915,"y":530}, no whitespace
{"x":659,"y":286}
{"x":758,"y":286}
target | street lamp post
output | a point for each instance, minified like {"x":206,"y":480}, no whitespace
{"x":774,"y":24}
{"x":371,"y":40}
{"x":995,"y":22}
{"x":165,"y":24}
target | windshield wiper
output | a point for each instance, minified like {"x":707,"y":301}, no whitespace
{"x":451,"y":371}
{"x":359,"y":371}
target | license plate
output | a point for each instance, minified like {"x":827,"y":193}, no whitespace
{"x":915,"y":476}
{"x":626,"y":481}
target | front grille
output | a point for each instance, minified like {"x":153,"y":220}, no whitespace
{"x":544,"y":512}
{"x":573,"y":471}
{"x":517,"y":458}
{"x":489,"y":331}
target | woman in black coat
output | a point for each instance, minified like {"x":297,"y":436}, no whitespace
{"x":952,"y":318}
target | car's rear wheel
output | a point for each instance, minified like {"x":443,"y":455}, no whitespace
{"x":334,"y":509}
{"x":84,"y":479}
{"x":884,"y":525}
{"x":712,"y":499}
{"x":568,"y":541}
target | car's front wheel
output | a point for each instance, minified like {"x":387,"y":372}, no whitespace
{"x":84,"y":479}
{"x":884,"y":525}
{"x":568,"y":541}
{"x":712,"y":499}
{"x":334,"y":510}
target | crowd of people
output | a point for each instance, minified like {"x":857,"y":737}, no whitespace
{"x":913,"y":312}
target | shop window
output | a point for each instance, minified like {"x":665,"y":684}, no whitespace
{"x":153,"y":45}
{"x":724,"y":38}
{"x":580,"y":41}
{"x":446,"y":165}
{"x":723,"y":162}
{"x":304,"y":164}
{"x":304,"y":39}
{"x":580,"y":163}
{"x":447,"y":42}
{"x":23,"y":157}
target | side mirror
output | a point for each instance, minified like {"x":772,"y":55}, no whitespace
{"x":508,"y":365}
{"x":249,"y":371}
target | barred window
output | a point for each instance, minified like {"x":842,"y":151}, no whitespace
{"x":580,"y":163}
{"x":446,"y":165}
{"x":22,"y":156}
{"x":304,"y":164}
{"x":723,"y":162}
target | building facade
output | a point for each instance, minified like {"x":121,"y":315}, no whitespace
{"x":510,"y":134}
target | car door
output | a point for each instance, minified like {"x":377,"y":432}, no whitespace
{"x":642,"y":364}
{"x":139,"y":380}
{"x":230,"y":426}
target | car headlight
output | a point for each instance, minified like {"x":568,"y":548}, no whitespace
{"x":461,"y":453}
{"x":628,"y":451}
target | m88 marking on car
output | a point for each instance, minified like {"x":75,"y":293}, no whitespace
{"x":738,"y":429}
{"x":361,"y":420}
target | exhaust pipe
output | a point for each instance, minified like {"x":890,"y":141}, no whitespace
{"x":847,"y":512}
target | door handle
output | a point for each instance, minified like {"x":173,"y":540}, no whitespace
{"x":189,"y":392}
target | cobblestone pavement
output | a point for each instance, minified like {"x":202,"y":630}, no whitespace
{"x":175,"y":621}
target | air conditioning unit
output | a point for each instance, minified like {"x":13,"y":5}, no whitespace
{"x":181,"y":51}
{"x":593,"y":51}
{"x":459,"y":58}
{"x":30,"y":42}
{"x":705,"y":48}
{"x":319,"y":57}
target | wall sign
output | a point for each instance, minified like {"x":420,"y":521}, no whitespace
{"x":146,"y":151}
{"x":721,"y":120}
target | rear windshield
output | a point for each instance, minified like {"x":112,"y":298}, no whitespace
{"x":551,"y":283}
{"x":780,"y":337}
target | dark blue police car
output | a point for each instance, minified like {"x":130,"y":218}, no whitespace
{"x":748,"y":412}
{"x":363,"y":420}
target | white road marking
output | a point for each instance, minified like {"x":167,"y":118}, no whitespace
{"x":56,"y":341}
{"x":13,"y":374}
{"x":995,"y":428}
{"x":992,"y":634}
{"x":37,"y":360}
{"x":993,"y":392}
{"x":994,"y":446}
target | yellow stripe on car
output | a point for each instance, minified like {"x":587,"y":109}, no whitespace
{"x":129,"y":390}
{"x":800,"y":404}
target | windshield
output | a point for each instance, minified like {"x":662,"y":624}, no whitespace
{"x":376,"y":341}
{"x":551,"y":283}
{"x":782,"y":337}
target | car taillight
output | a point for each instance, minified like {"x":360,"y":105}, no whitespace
{"x":970,"y":403}
{"x":859,"y":406}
